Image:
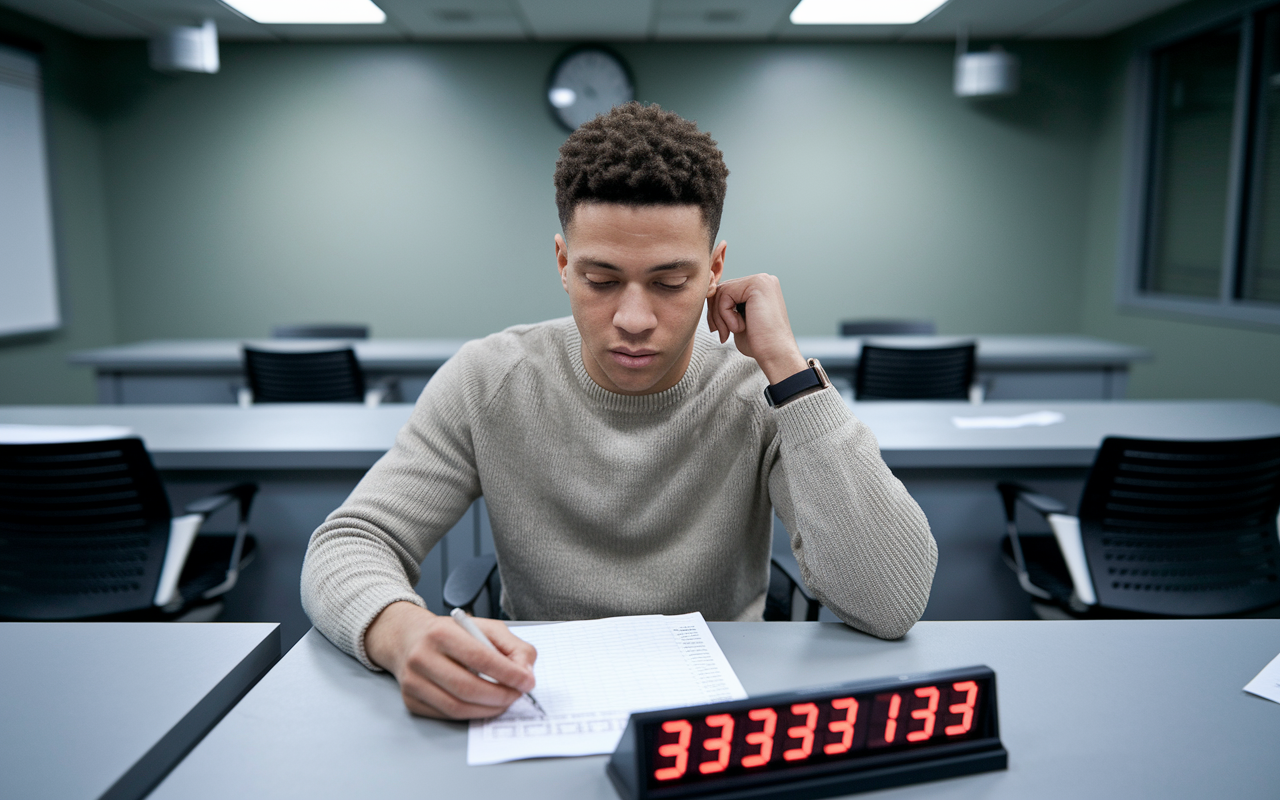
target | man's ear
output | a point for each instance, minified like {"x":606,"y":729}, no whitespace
{"x":717,"y":266}
{"x":562,"y":261}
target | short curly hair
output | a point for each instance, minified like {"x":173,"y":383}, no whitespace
{"x":641,"y":155}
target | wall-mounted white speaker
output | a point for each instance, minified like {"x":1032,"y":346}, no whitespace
{"x":186,"y":49}
{"x":990,"y":74}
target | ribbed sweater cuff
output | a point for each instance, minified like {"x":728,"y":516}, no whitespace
{"x":813,"y":417}
{"x":362,"y":610}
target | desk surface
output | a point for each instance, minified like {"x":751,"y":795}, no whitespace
{"x":1007,"y":352}
{"x":1163,"y":700}
{"x":104,"y":709}
{"x":911,"y":435}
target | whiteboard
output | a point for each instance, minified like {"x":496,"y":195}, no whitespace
{"x":28,"y":275}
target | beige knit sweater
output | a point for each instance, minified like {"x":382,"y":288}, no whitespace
{"x":604,"y":504}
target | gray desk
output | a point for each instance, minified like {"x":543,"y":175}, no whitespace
{"x":1087,"y":710}
{"x":1058,"y":367}
{"x":104,"y":710}
{"x":208,"y":371}
{"x":308,"y":457}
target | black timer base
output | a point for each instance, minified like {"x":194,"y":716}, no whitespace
{"x":832,"y":785}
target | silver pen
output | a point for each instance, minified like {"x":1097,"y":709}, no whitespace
{"x":460,"y":617}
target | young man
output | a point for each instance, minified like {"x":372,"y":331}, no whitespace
{"x":631,"y":463}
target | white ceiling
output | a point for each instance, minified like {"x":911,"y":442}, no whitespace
{"x":663,"y":20}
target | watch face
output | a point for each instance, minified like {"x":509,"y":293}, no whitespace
{"x":587,"y":82}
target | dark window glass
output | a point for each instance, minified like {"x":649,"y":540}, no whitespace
{"x":1194,"y":114}
{"x":1260,"y":279}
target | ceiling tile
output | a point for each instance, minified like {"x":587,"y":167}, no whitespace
{"x":81,"y":18}
{"x":588,"y":19}
{"x":1101,"y":17}
{"x":458,"y":19}
{"x":720,"y":19}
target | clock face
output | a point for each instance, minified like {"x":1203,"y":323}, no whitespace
{"x":587,"y":82}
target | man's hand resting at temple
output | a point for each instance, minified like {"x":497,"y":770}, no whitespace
{"x":436,"y":662}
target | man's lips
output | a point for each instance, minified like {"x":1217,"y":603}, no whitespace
{"x":633,"y":358}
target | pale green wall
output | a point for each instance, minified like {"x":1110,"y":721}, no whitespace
{"x":410,"y":185}
{"x":33,"y":368}
{"x":1194,"y":356}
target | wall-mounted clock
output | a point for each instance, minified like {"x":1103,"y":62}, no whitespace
{"x":587,"y":81}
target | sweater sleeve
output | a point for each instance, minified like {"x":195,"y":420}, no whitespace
{"x":863,"y":544}
{"x":366,"y":554}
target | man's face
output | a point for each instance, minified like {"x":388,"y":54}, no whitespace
{"x":637,"y":278}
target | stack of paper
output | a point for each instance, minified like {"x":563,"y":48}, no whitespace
{"x":592,"y":675}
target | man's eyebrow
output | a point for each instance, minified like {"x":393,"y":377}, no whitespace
{"x":683,"y":263}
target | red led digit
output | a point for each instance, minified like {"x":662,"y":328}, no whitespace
{"x":802,"y":732}
{"x":966,"y":708}
{"x":762,"y":738}
{"x":891,"y":724}
{"x":929,"y":715}
{"x":844,"y":727}
{"x":679,"y":750}
{"x":725,"y":723}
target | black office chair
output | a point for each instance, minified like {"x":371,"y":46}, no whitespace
{"x":915,"y":373}
{"x":323,"y":376}
{"x":888,"y":327}
{"x":330,"y":330}
{"x":1166,"y":528}
{"x":476,"y":587}
{"x":86,"y":533}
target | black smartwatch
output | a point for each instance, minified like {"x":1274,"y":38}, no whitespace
{"x":778,"y":393}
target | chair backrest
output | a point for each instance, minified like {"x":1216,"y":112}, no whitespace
{"x":327,"y":376}
{"x":915,"y":373}
{"x":328,"y":330}
{"x":888,"y":327}
{"x":83,"y":529}
{"x":1183,"y":528}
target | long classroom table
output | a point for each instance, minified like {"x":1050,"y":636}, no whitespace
{"x":1065,"y":367}
{"x":308,"y":457}
{"x":1086,"y":709}
{"x":105,"y":709}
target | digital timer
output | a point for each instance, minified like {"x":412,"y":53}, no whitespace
{"x":832,"y":740}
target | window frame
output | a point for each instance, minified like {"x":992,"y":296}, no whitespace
{"x":1139,"y":180}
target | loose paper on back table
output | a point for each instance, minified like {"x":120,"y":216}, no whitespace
{"x":593,"y":674}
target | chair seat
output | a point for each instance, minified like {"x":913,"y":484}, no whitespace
{"x":1047,"y":569}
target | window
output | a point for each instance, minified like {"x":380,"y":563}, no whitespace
{"x":1210,"y":222}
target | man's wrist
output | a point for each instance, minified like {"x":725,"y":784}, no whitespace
{"x":779,"y":369}
{"x":383,"y":639}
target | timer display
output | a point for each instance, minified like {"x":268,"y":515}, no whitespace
{"x":847,"y":738}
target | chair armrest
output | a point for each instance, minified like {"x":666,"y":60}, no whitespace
{"x":799,"y":593}
{"x":1043,"y":503}
{"x":381,"y":391}
{"x":467,"y":581}
{"x":242,"y":493}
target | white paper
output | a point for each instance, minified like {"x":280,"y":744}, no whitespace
{"x":49,"y":434}
{"x":1035,"y":418}
{"x":592,"y":675}
{"x":1267,"y":684}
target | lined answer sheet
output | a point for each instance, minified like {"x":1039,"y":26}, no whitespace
{"x":592,"y":675}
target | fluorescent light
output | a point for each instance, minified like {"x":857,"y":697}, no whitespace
{"x":863,"y":12}
{"x":310,"y":12}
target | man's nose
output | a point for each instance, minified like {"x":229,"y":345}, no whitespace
{"x":634,"y":314}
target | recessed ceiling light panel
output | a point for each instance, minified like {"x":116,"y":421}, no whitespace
{"x":310,"y":12}
{"x":863,"y":12}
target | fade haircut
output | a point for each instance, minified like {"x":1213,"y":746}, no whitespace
{"x":641,"y":155}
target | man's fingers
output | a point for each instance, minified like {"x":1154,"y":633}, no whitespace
{"x":475,"y":656}
{"x":428,"y":699}
{"x":512,"y":646}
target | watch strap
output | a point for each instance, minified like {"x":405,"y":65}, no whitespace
{"x":782,"y":391}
